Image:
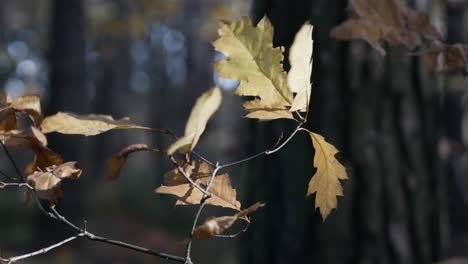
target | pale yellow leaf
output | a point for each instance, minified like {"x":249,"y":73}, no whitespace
{"x":205,"y":106}
{"x":252,"y":59}
{"x":87,"y":125}
{"x":300,"y":58}
{"x":223,"y":194}
{"x":30,"y":104}
{"x":326,"y":180}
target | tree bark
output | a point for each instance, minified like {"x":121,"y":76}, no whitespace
{"x":383,"y":114}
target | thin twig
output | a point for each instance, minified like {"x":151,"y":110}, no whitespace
{"x":41,"y":251}
{"x":197,"y":216}
{"x":236,"y":234}
{"x":191,"y":181}
{"x":270,"y":151}
{"x":12,"y":161}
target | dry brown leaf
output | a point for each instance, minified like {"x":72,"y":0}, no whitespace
{"x":117,"y":162}
{"x":8,"y":119}
{"x":326,"y":180}
{"x":32,"y":139}
{"x":216,"y":226}
{"x":300,"y":58}
{"x":269,"y":115}
{"x":30,"y":104}
{"x":452,"y":57}
{"x":205,"y":106}
{"x":47,"y":183}
{"x":223,"y":194}
{"x":252,"y":59}
{"x":87,"y":125}
{"x":376,"y":21}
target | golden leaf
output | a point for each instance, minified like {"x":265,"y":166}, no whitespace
{"x":300,"y":58}
{"x":117,"y":162}
{"x":47,"y":183}
{"x":205,"y":106}
{"x":252,"y":59}
{"x":326,"y":180}
{"x":200,"y":172}
{"x":216,"y":226}
{"x":376,"y":21}
{"x":87,"y":125}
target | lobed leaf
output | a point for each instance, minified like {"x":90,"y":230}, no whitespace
{"x":223,"y":194}
{"x":376,"y":21}
{"x":252,"y":59}
{"x":47,"y":183}
{"x":326,"y":180}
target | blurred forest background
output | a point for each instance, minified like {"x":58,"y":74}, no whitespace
{"x":402,"y":130}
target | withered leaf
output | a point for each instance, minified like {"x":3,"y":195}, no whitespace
{"x":47,"y":183}
{"x":205,"y":106}
{"x":216,"y":226}
{"x":30,"y":104}
{"x":87,"y":125}
{"x":376,"y":21}
{"x":32,"y":139}
{"x":452,"y":57}
{"x":300,"y":58}
{"x":326,"y":180}
{"x":252,"y":59}
{"x":117,"y":162}
{"x":223,"y":194}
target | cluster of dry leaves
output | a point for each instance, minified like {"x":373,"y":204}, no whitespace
{"x":393,"y":22}
{"x":250,"y":58}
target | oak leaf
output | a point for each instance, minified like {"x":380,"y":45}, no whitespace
{"x":216,"y":226}
{"x":175,"y":183}
{"x":252,"y":60}
{"x":326,"y":180}
{"x":117,"y":162}
{"x":87,"y":125}
{"x":205,"y":106}
{"x":300,"y":58}
{"x":47,"y":183}
{"x":376,"y":21}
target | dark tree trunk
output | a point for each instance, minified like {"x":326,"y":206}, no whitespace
{"x":383,"y":114}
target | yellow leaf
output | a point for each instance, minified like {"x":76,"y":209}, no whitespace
{"x":326,"y":181}
{"x":263,"y":115}
{"x":204,"y":108}
{"x":223,"y":194}
{"x":87,"y":125}
{"x":300,"y":58}
{"x":216,"y":226}
{"x":117,"y":162}
{"x":252,"y":59}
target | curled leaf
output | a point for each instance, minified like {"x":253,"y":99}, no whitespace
{"x":47,"y":183}
{"x":252,"y":59}
{"x":87,"y":125}
{"x":175,"y":183}
{"x":205,"y":106}
{"x":326,"y":180}
{"x":117,"y":162}
{"x":32,"y":139}
{"x":447,"y":58}
{"x":216,"y":226}
{"x":30,"y":104}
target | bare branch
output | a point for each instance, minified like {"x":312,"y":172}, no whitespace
{"x":236,"y":234}
{"x":12,"y":161}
